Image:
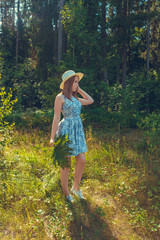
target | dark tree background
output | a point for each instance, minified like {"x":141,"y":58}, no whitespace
{"x":116,"y":43}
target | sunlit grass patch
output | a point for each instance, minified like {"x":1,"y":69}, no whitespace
{"x":122,"y":193}
{"x":122,"y":172}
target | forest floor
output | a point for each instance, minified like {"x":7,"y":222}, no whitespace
{"x":121,"y":191}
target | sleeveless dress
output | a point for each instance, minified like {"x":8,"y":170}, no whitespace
{"x":71,"y":125}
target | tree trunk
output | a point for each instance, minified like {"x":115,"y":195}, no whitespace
{"x":104,"y":40}
{"x":13,"y":17}
{"x":60,"y":32}
{"x":124,"y":54}
{"x":124,"y":57}
{"x":17,"y":37}
{"x":118,"y":73}
{"x":5,"y":14}
{"x":148,"y":35}
{"x":55,"y":17}
{"x":119,"y":47}
{"x":2,"y":14}
{"x":148,"y":50}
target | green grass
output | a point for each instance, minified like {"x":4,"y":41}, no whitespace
{"x":120,"y":184}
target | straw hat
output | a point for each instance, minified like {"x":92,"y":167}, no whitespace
{"x":68,"y":74}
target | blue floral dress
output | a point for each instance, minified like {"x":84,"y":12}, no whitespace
{"x":71,"y":125}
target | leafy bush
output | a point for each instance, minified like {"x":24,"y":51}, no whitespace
{"x":6,"y":105}
{"x":104,"y":118}
{"x":51,"y":86}
{"x":144,"y":93}
{"x":140,"y":97}
{"x":151,"y":143}
{"x":27,"y":86}
{"x":151,"y":122}
{"x":31,"y":119}
{"x":151,"y":125}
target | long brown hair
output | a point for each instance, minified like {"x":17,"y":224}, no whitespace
{"x":67,"y":89}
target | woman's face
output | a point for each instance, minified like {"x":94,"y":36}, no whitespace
{"x":75,"y":84}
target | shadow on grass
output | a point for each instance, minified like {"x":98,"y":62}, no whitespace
{"x":89,"y":222}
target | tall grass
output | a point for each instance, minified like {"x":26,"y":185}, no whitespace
{"x":121,"y":190}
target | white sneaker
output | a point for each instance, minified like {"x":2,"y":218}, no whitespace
{"x":77,"y":193}
{"x":69,"y":198}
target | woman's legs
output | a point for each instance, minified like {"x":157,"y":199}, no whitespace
{"x":79,"y":169}
{"x":64,"y":178}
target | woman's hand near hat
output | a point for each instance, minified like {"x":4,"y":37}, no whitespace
{"x":87,"y":99}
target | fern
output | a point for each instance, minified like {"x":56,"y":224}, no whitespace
{"x":61,"y":150}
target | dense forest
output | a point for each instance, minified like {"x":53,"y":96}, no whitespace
{"x":115,"y":43}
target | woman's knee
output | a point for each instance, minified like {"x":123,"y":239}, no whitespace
{"x":82,"y":158}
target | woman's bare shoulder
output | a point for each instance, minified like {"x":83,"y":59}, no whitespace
{"x":60,"y":97}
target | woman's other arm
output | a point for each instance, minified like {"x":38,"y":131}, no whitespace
{"x":57,"y":114}
{"x":87,"y":99}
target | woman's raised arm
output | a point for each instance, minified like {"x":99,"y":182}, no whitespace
{"x":87,"y":99}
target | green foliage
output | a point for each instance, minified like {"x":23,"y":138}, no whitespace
{"x":35,"y":79}
{"x":115,"y":95}
{"x":93,"y":42}
{"x":144,"y":94}
{"x":151,"y":122}
{"x":6,"y":106}
{"x":26,"y":85}
{"x":50,"y":88}
{"x":61,"y":150}
{"x":32,"y":119}
{"x":8,"y":44}
{"x":151,"y":143}
{"x":80,"y":23}
{"x":128,"y":106}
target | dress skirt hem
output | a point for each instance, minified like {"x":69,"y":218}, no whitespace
{"x":76,"y":155}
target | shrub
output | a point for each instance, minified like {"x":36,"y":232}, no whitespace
{"x":151,"y":126}
{"x":6,"y":105}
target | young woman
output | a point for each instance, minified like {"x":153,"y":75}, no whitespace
{"x":70,"y":105}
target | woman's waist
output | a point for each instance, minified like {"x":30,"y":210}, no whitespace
{"x":71,"y":117}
